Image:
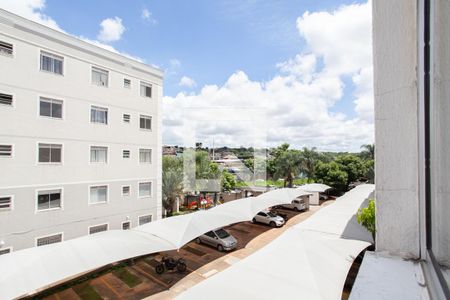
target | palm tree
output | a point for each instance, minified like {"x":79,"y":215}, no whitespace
{"x":369,"y":151}
{"x":309,"y":159}
{"x":287,"y":166}
{"x":172,"y":182}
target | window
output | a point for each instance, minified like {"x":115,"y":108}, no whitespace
{"x":99,"y":115}
{"x":98,"y":228}
{"x":47,"y":240}
{"x":98,"y":194}
{"x":146,"y":89}
{"x":126,"y":118}
{"x":6,"y":203}
{"x":6,"y":99}
{"x":6,"y":48}
{"x":51,"y":63}
{"x":5,"y":251}
{"x":50,"y":108}
{"x":145,"y":189}
{"x":145,"y":156}
{"x":6,"y":150}
{"x":50,"y":153}
{"x":126,"y":190}
{"x":145,"y":219}
{"x":126,"y":83}
{"x":145,"y":122}
{"x":99,"y":77}
{"x":126,"y":225}
{"x":126,"y":154}
{"x":50,"y":199}
{"x":99,"y":154}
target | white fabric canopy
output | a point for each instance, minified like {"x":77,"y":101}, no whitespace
{"x":315,"y":187}
{"x":309,"y":261}
{"x":30,"y":270}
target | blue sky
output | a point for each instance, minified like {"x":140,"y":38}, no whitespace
{"x":209,"y":41}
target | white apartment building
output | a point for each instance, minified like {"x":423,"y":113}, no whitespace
{"x":80,"y":137}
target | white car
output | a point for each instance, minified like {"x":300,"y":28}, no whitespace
{"x":269,"y":218}
{"x":297,"y":205}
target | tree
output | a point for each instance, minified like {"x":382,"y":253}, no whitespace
{"x":228,"y":181}
{"x":370,"y":170}
{"x":287,"y":166}
{"x":332,"y":174}
{"x":309,"y":159}
{"x":172,"y":182}
{"x":366,"y":217}
{"x":368,"y":151}
{"x":353,"y":166}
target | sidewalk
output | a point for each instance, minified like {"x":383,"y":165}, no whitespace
{"x":224,"y":262}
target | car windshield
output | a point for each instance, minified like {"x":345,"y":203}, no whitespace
{"x":221,"y":233}
{"x":272,"y":215}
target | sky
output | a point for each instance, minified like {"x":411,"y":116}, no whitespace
{"x":240,"y":72}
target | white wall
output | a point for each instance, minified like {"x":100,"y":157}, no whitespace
{"x":22,"y":126}
{"x":396,"y":126}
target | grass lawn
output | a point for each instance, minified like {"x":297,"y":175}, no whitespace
{"x":130,"y":279}
{"x":86,"y":292}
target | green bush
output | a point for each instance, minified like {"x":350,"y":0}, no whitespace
{"x":366,"y":217}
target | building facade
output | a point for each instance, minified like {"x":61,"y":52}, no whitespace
{"x":80,"y":137}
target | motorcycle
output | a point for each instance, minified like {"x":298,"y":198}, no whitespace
{"x":169,"y":263}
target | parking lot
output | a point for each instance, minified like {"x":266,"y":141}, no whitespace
{"x":138,"y":279}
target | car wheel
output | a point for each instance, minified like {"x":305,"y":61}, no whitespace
{"x":272,"y":224}
{"x":198,"y":241}
{"x":295,"y":209}
{"x":220,"y":248}
{"x":253,"y":220}
{"x":159,"y":269}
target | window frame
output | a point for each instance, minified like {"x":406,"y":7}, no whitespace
{"x":129,"y":85}
{"x":129,"y":190}
{"x":13,"y":49}
{"x":99,"y":108}
{"x":139,"y":190}
{"x":124,"y":222}
{"x":89,"y":194}
{"x":102,"y":70}
{"x":47,"y":236}
{"x":51,"y":100}
{"x":10,"y":248}
{"x":129,"y":118}
{"x":96,"y":162}
{"x":12,"y":151}
{"x":36,"y":195}
{"x":146,"y":84}
{"x":145,"y":117}
{"x":13,"y":100}
{"x":50,"y":163}
{"x":101,"y":224}
{"x":11,"y":206}
{"x":123,"y":153}
{"x":151,"y":156}
{"x":141,"y":216}
{"x":53,"y":56}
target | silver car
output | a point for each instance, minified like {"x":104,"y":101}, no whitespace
{"x":219,"y":239}
{"x":269,"y":218}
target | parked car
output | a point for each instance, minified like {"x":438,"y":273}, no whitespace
{"x":269,"y":218}
{"x":219,"y":239}
{"x":297,"y":204}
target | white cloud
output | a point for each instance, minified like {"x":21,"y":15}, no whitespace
{"x":33,"y":10}
{"x":299,"y":101}
{"x":147,"y":16}
{"x":187,"y":82}
{"x":30,"y":9}
{"x":111,"y":30}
